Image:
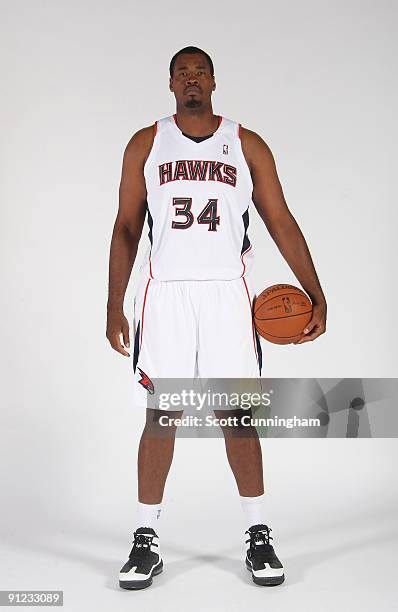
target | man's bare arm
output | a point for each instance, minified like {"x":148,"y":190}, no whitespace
{"x":126,"y":235}
{"x":271,"y":205}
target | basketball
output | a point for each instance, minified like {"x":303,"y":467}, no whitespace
{"x":281,"y":312}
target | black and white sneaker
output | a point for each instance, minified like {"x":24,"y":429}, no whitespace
{"x":144,"y":560}
{"x":261,"y":559}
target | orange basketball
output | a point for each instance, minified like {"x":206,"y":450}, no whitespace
{"x":281,"y":312}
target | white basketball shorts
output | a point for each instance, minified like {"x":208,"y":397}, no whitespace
{"x":193,"y":329}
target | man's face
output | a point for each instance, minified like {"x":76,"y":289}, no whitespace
{"x":192,"y":82}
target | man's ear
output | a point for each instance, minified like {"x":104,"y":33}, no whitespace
{"x":214,"y":86}
{"x":170,"y":84}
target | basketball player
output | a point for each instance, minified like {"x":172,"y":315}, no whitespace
{"x":193,"y":176}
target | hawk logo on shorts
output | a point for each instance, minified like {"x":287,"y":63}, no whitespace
{"x":146,"y":382}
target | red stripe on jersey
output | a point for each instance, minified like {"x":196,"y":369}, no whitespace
{"x":243,"y":263}
{"x":150,"y":266}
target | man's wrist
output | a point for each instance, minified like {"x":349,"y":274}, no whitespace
{"x":318,"y":299}
{"x":114,"y":307}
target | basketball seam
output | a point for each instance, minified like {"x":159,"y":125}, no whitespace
{"x":282,"y":337}
{"x":276,"y":296}
{"x":283,"y":318}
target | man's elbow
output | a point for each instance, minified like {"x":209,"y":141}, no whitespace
{"x":281,"y":222}
{"x":127,"y":229}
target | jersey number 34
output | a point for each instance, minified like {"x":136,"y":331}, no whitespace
{"x":208,"y":215}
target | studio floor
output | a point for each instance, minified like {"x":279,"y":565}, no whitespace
{"x":338,"y":542}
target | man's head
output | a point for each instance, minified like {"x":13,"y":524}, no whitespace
{"x":192,"y":77}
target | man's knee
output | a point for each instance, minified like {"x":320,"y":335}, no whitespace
{"x":161,"y":423}
{"x":236,"y":423}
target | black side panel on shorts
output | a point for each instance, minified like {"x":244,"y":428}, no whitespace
{"x":259,"y":352}
{"x":136,"y":346}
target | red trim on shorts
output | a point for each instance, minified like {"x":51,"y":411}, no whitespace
{"x":243,"y":263}
{"x":253,"y":328}
{"x":142,"y":311}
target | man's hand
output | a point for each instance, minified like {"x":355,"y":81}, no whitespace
{"x":316,"y":326}
{"x":117,"y":327}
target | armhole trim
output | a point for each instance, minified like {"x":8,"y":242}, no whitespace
{"x":154,"y":144}
{"x":244,"y":160}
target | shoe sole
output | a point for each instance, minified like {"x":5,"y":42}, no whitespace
{"x":133,"y":585}
{"x":271,"y":581}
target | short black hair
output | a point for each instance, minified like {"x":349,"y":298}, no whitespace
{"x":191,"y":50}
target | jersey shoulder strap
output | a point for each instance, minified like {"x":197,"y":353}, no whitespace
{"x":163,"y":124}
{"x":229,"y":126}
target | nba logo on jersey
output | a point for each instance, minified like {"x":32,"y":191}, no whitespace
{"x":225,"y":149}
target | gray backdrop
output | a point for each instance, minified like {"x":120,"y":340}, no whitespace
{"x":316,"y":80}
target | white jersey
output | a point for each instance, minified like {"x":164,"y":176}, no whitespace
{"x":198,"y":197}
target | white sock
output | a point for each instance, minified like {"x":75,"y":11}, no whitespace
{"x":253,"y":510}
{"x":148,"y":515}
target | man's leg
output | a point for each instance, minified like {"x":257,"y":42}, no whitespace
{"x":164,"y":347}
{"x":155,"y":456}
{"x":229,"y":348}
{"x":245,"y":458}
{"x":244,"y":454}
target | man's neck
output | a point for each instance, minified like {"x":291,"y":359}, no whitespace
{"x":195,"y":122}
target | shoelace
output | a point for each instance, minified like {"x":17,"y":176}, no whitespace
{"x":259,"y":537}
{"x":142,"y":543}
